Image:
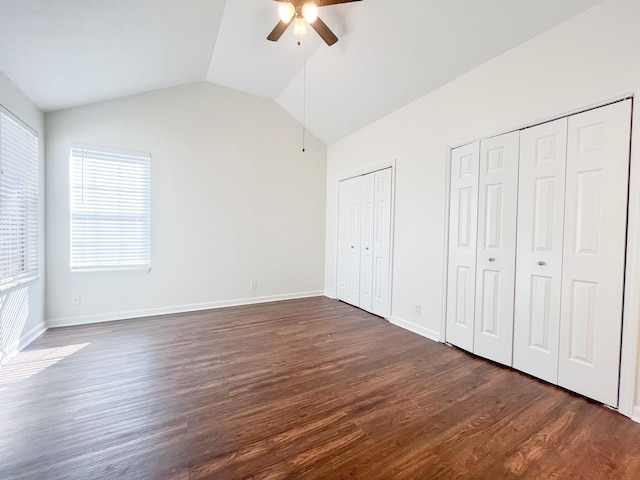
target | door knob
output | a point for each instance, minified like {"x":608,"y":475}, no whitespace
{"x":541,"y":263}
{"x":491,"y":259}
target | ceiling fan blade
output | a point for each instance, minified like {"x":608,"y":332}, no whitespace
{"x":277,"y":32}
{"x":325,"y":32}
{"x":324,"y":3}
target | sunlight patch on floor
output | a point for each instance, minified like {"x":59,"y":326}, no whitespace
{"x":31,"y":362}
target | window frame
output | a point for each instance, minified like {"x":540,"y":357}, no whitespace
{"x":110,"y":154}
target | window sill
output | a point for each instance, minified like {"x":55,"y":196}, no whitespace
{"x":114,"y":271}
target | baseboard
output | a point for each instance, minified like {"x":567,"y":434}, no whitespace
{"x":415,"y":328}
{"x":31,"y":335}
{"x":15,"y":347}
{"x":331,"y":295}
{"x":635,"y":416}
{"x":110,"y":317}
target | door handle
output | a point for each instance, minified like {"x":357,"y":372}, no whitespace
{"x":541,"y":263}
{"x":491,"y":259}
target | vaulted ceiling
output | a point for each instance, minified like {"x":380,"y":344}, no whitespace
{"x":67,"y":53}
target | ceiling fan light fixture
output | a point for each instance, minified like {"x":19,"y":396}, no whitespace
{"x":310,"y":12}
{"x":303,"y":12}
{"x":300,"y":27}
{"x":286,"y":11}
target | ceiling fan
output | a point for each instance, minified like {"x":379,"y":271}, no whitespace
{"x":302,"y":10}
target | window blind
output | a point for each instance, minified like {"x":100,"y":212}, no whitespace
{"x":18,"y":202}
{"x":110,"y":193}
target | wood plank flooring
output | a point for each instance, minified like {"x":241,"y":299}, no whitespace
{"x":310,"y":388}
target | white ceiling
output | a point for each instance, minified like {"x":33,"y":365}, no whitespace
{"x":66,"y":53}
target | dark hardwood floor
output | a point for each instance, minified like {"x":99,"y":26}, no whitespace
{"x":311,"y":389}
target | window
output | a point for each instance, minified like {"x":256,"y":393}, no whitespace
{"x":109,"y":209}
{"x":18,"y":201}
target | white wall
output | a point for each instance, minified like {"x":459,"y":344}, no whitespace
{"x":22,"y":309}
{"x":585,"y":60}
{"x":233,"y":200}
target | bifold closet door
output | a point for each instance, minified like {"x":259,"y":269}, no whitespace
{"x":461,"y":266}
{"x":349,"y":231}
{"x":541,"y":191}
{"x":495,"y":264}
{"x":364,"y":241}
{"x":594,"y":251}
{"x":381,"y":289}
{"x":375,"y":247}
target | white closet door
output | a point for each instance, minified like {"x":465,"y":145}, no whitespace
{"x":382,"y":243}
{"x":495,"y":266}
{"x":594,"y":251}
{"x":349,"y":226}
{"x":463,"y":224}
{"x":343,"y":244}
{"x":366,"y":243}
{"x":543,"y":151}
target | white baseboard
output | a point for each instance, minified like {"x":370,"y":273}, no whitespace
{"x":635,"y":416}
{"x":15,"y":347}
{"x":110,"y":317}
{"x":32,"y":334}
{"x":331,"y":295}
{"x":415,"y":328}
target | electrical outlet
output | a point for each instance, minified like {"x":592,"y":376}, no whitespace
{"x":76,"y":301}
{"x":253,"y":285}
{"x":418,"y":309}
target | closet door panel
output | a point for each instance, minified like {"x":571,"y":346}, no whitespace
{"x":381,"y":243}
{"x":344,"y":191}
{"x":461,"y":267}
{"x":366,"y":242}
{"x":594,"y":251}
{"x":495,"y":274}
{"x":541,"y":191}
{"x":349,"y":232}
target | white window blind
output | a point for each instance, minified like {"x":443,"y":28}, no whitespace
{"x":18,"y":202}
{"x":109,"y":209}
